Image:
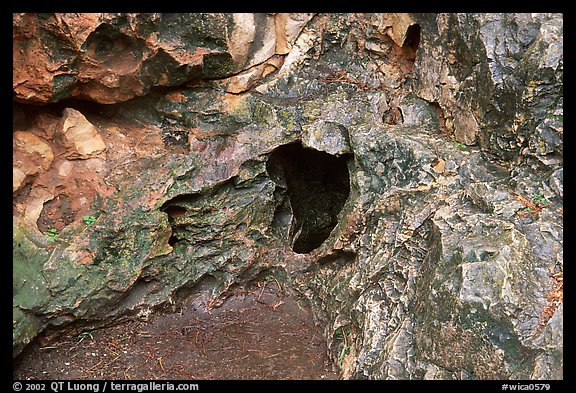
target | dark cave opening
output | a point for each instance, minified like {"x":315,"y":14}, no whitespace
{"x":411,"y":42}
{"x":177,"y":209}
{"x":412,"y":39}
{"x":311,"y":189}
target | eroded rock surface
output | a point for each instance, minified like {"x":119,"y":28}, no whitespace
{"x":401,"y":171}
{"x":110,"y":58}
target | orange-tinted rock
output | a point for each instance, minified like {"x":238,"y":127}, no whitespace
{"x":80,"y":136}
{"x":30,"y":155}
{"x":110,"y":58}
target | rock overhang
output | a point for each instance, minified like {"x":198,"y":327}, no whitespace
{"x":414,"y":197}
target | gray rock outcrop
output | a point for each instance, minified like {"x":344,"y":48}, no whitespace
{"x":402,"y":172}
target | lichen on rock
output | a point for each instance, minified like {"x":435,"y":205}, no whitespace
{"x":402,"y":172}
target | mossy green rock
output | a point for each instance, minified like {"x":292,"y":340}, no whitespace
{"x":433,"y":266}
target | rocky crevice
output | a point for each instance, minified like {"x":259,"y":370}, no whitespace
{"x":311,"y":187}
{"x":402,"y":172}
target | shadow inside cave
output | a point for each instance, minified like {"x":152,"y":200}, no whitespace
{"x":311,"y":189}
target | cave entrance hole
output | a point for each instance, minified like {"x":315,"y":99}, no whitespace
{"x":311,"y":189}
{"x":412,"y":39}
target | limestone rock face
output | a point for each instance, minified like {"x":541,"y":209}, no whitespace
{"x":30,"y":154}
{"x":497,"y":78}
{"x":402,"y":172}
{"x":110,"y":58}
{"x":81,"y":136}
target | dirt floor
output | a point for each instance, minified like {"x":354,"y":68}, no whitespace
{"x":260,"y":333}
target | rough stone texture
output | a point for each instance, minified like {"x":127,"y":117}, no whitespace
{"x":30,"y":155}
{"x":80,"y":136}
{"x":437,"y":256}
{"x":111,"y":58}
{"x":497,"y":77}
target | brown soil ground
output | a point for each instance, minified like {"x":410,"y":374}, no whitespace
{"x":261,"y":333}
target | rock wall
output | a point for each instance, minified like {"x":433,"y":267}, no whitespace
{"x":403,"y":172}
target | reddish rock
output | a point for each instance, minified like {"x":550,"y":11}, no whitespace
{"x":80,"y":136}
{"x":30,"y":155}
{"x":110,"y":58}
